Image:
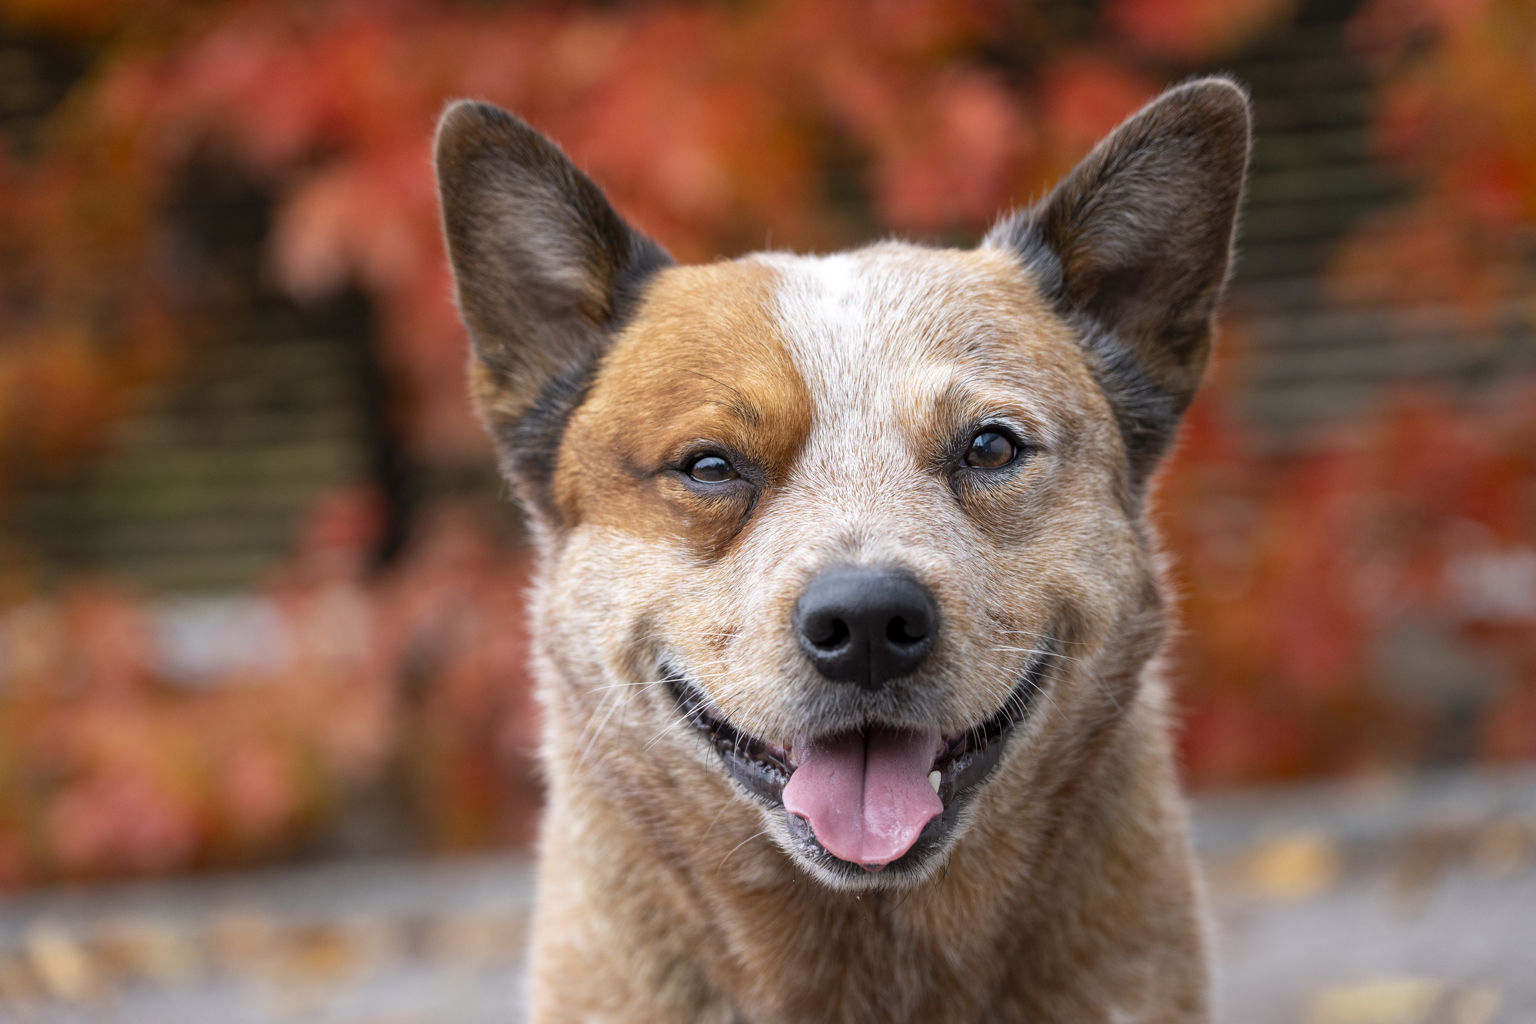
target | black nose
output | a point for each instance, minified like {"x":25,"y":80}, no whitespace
{"x":866,"y":626}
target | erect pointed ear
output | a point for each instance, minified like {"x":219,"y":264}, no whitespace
{"x":545,"y":270}
{"x":1134,"y":247}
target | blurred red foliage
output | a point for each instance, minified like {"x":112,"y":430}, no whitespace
{"x":1454,"y":113}
{"x":414,"y":683}
{"x":1305,"y":578}
{"x":1343,"y":607}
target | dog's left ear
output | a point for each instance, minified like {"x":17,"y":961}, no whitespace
{"x":1134,"y":248}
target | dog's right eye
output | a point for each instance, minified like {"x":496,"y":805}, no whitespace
{"x":711,"y":469}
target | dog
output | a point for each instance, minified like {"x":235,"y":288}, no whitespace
{"x":846,"y":611}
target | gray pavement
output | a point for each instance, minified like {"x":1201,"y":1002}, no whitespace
{"x":1383,"y":903}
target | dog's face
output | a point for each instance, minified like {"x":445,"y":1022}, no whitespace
{"x":857,"y":533}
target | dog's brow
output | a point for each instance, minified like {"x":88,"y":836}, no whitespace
{"x":741,"y":406}
{"x":963,"y":400}
{"x":741,"y":410}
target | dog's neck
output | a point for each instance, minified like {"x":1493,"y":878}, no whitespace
{"x":1106,"y":875}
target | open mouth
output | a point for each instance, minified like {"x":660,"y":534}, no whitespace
{"x":872,"y":799}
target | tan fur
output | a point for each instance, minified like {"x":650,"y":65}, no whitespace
{"x":840,"y":387}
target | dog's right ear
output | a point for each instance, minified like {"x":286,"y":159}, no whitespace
{"x":545,"y":272}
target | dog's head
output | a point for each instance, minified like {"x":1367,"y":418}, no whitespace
{"x":856,"y":532}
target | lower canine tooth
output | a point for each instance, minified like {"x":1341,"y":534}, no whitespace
{"x":933,"y":780}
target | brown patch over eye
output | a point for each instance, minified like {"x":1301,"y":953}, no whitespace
{"x":711,"y":469}
{"x":696,"y":410}
{"x":990,"y":449}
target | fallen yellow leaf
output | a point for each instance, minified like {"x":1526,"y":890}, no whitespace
{"x":1295,"y":866}
{"x":1403,"y":1000}
{"x":59,"y":962}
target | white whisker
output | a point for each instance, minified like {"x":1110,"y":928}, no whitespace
{"x":738,"y":846}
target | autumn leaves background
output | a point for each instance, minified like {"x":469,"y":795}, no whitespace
{"x":1359,"y":595}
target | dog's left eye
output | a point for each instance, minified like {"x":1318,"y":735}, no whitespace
{"x":711,"y":469}
{"x":990,"y":449}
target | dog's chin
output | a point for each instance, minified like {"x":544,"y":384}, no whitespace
{"x":964,"y":763}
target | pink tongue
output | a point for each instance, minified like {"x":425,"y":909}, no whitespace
{"x":866,"y":795}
